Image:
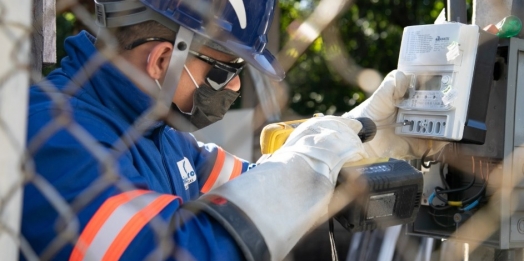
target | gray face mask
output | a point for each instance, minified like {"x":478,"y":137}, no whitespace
{"x":209,"y":105}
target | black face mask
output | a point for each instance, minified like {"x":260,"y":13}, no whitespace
{"x":209,"y":106}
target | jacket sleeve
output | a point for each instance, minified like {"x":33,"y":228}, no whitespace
{"x":214,"y":165}
{"x":141,"y":224}
{"x":81,"y":207}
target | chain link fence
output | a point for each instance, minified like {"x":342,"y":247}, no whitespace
{"x":18,"y":167}
{"x":16,"y":157}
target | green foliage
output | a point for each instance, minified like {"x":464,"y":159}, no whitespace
{"x":371,"y":32}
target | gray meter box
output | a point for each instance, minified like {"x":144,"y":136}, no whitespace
{"x":449,"y":67}
{"x":499,"y":222}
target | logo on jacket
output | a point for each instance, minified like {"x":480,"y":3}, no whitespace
{"x":187,"y":172}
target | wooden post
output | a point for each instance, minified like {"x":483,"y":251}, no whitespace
{"x":43,"y":48}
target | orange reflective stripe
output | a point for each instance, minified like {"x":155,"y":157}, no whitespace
{"x":237,"y":169}
{"x":117,"y":222}
{"x":219,"y":162}
{"x":96,"y":222}
{"x":137,"y":222}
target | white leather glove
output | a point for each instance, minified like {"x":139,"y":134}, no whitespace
{"x":287,"y":193}
{"x":380,"y":107}
{"x":325,"y":143}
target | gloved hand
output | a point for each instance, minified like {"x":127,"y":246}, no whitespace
{"x":325,"y":143}
{"x":380,"y":107}
{"x":287,"y":193}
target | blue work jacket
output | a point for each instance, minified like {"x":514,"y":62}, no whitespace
{"x":99,"y":189}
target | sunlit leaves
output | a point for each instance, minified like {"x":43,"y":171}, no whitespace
{"x":371,"y":32}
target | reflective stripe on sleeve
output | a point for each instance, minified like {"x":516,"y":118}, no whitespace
{"x":226,"y":168}
{"x":116,"y":223}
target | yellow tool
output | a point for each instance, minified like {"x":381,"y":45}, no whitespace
{"x":274,"y":135}
{"x":393,"y":186}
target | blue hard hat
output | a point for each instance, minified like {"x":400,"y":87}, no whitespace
{"x":238,"y":27}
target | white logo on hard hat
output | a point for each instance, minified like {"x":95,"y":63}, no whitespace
{"x":240,"y":10}
{"x":187,"y":172}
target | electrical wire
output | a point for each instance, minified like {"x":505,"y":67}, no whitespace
{"x":430,"y":202}
{"x":439,"y":190}
{"x":477,"y":197}
{"x":446,"y":191}
{"x":471,"y":206}
{"x":334,"y":254}
{"x":423,"y":159}
{"x":482,"y":189}
{"x":436,"y":216}
{"x":464,"y":204}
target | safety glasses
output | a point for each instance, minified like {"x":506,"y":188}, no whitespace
{"x":220,"y":74}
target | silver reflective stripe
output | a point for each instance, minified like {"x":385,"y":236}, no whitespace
{"x":226,"y":171}
{"x":114,"y":225}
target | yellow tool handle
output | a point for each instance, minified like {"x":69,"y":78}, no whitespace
{"x":274,"y":135}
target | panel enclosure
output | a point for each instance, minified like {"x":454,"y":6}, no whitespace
{"x":500,"y":219}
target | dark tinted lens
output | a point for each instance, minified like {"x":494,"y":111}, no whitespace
{"x":221,"y":73}
{"x":218,"y":78}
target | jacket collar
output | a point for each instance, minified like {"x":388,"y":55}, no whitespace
{"x":108,"y":85}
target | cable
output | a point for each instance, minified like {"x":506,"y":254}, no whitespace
{"x":464,"y":205}
{"x":334,"y":254}
{"x":442,"y":191}
{"x":478,"y":195}
{"x":430,"y":202}
{"x":437,"y":194}
{"x":435,"y":216}
{"x":439,"y":190}
{"x":471,"y":206}
{"x":468,"y":203}
{"x":482,"y":189}
{"x":423,"y":159}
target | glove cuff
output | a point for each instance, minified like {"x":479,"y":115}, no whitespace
{"x":283,"y":201}
{"x":236,"y":222}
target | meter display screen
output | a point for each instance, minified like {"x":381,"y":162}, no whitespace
{"x":428,"y":82}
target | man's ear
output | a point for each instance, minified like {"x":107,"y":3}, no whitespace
{"x":158,"y":60}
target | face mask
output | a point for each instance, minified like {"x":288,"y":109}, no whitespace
{"x":209,"y":105}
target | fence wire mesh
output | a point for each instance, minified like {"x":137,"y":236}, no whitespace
{"x":67,"y":225}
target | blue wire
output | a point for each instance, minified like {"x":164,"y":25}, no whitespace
{"x":431,"y":197}
{"x":472,"y":205}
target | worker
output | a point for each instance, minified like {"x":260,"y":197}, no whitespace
{"x":115,"y":181}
